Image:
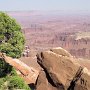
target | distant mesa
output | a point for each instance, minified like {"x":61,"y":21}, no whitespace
{"x":82,"y":35}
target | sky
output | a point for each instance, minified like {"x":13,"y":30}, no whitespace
{"x":25,"y":5}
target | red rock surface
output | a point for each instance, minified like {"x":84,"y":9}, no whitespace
{"x":29,"y":73}
{"x":63,"y":72}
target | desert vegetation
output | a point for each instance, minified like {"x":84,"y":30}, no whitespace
{"x":11,"y":37}
{"x":12,"y":44}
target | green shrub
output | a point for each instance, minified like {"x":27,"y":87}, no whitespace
{"x":13,"y":72}
{"x":11,"y":38}
{"x":1,"y":82}
{"x":5,"y":68}
{"x":16,"y":82}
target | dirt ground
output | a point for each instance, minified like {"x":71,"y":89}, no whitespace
{"x":31,"y":61}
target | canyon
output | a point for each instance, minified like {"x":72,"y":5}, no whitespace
{"x":44,"y":30}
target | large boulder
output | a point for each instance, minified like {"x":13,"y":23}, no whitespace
{"x":62,"y":71}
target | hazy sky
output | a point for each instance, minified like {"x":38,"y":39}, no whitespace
{"x":14,"y":5}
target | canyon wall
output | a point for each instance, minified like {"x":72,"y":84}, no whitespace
{"x":40,"y":39}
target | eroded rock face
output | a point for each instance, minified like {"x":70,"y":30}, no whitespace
{"x":43,"y":83}
{"x":84,"y":82}
{"x":61,"y":70}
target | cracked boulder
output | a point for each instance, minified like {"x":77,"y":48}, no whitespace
{"x":61,"y":71}
{"x":42,"y":82}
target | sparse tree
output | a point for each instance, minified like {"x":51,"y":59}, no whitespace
{"x":11,"y":38}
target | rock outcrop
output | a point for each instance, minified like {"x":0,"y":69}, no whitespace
{"x":61,"y":72}
{"x":29,"y":74}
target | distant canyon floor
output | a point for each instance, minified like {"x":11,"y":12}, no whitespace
{"x":45,"y":30}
